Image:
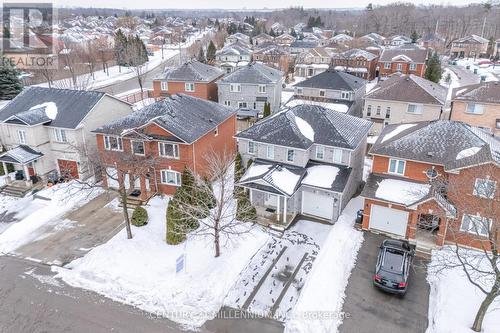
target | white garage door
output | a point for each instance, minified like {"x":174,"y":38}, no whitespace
{"x":111,"y":175}
{"x":317,"y":205}
{"x":389,"y":220}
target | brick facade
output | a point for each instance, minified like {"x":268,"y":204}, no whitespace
{"x":207,"y":91}
{"x":487,"y":119}
{"x":405,"y":68}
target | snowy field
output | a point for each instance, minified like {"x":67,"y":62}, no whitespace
{"x":454,"y":301}
{"x":30,"y":214}
{"x":296,"y":251}
{"x":142,"y":271}
{"x":319,"y":308}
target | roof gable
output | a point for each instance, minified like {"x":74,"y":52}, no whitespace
{"x":192,"y":71}
{"x":332,"y":79}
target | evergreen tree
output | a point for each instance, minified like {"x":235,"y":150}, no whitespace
{"x":211,"y":52}
{"x":175,"y":234}
{"x":267,"y":110}
{"x":201,"y":56}
{"x":414,"y":37}
{"x":120,"y":47}
{"x":293,"y":33}
{"x":10,"y":84}
{"x":433,"y":72}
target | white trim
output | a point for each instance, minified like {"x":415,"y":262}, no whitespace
{"x":132,"y":147}
{"x":395,"y":172}
{"x":175,"y":147}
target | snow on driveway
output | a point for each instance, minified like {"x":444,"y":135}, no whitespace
{"x":262,"y":287}
{"x":319,"y":308}
{"x":30,"y":214}
{"x":142,"y":271}
{"x":454,"y":301}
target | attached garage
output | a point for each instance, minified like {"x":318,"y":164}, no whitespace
{"x":68,"y":169}
{"x":317,"y":204}
{"x":389,"y":220}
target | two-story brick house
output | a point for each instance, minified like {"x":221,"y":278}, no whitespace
{"x":178,"y":132}
{"x":306,"y":160}
{"x":357,"y":62}
{"x":432,"y":183}
{"x":191,"y":78}
{"x":312,"y":62}
{"x":250,"y":87}
{"x":405,"y":59}
{"x":333,"y":89}
{"x":469,"y":47}
{"x":478,"y":105}
{"x":46,"y":130}
{"x":403,"y":99}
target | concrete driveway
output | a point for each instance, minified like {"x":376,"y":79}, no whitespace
{"x":370,"y":310}
{"x":80,"y":230}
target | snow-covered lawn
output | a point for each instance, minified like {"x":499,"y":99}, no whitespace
{"x":487,"y":70}
{"x":319,"y":308}
{"x":32,"y":214}
{"x":452,"y":84}
{"x":454,"y":301}
{"x":142,"y":271}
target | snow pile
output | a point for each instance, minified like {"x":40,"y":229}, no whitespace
{"x":396,"y":131}
{"x":401,"y":191}
{"x":33,"y":214}
{"x":321,"y":176}
{"x":324,"y":290}
{"x":50,"y":109}
{"x":305,"y":128}
{"x":142,"y":271}
{"x":468,"y":152}
{"x":283,"y":179}
{"x":453,"y":300}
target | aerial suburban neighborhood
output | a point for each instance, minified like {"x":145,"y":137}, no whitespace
{"x":265,"y":166}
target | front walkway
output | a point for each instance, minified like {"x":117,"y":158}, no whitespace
{"x":80,"y":230}
{"x":368,"y":309}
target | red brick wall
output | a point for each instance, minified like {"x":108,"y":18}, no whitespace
{"x":405,"y":69}
{"x":413,"y":170}
{"x":206,"y":91}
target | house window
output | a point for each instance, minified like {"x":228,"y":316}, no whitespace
{"x":475,"y":224}
{"x":270,"y":152}
{"x":474,"y":108}
{"x":415,"y":108}
{"x":255,"y":106}
{"x":413,"y":67}
{"x":498,"y":123}
{"x":60,"y":135}
{"x":299,"y":91}
{"x":262,"y":88}
{"x":171,"y":177}
{"x":113,"y":143}
{"x":320,"y":152}
{"x":337,"y":155}
{"x":189,"y":86}
{"x":164,"y":86}
{"x":369,"y":111}
{"x":138,"y":147}
{"x":322,"y":93}
{"x":235,"y":87}
{"x":388,"y":112}
{"x":397,"y":166}
{"x":344,"y":95}
{"x":242,"y":105}
{"x":251,"y":147}
{"x":290,"y":155}
{"x":399,"y":67}
{"x":227,"y":103}
{"x":387,"y":65}
{"x":169,"y":150}
{"x":378,"y":110}
{"x":21,"y":136}
{"x":216,"y":131}
{"x":484,"y":188}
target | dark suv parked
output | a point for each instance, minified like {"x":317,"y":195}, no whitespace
{"x":393,"y":266}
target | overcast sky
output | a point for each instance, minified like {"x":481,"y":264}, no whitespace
{"x":239,"y":4}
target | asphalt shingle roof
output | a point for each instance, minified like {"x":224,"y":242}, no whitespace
{"x":486,"y":92}
{"x":414,"y":53}
{"x":192,"y":71}
{"x":441,"y":142}
{"x":409,"y":88}
{"x":187,"y":118}
{"x":330,"y":128}
{"x":332,"y":79}
{"x":72,"y":105}
{"x":253,"y":73}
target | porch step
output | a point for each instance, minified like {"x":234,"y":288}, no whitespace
{"x":423,"y":250}
{"x":132,"y":203}
{"x":14,"y":191}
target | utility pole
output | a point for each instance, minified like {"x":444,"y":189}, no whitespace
{"x":180,"y":48}
{"x":436,"y":30}
{"x":484,"y":24}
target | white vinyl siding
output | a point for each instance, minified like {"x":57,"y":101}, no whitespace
{"x":170,"y":177}
{"x":21,"y":136}
{"x":169,"y":150}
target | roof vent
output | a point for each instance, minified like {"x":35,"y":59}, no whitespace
{"x":211,"y":120}
{"x":430,"y":154}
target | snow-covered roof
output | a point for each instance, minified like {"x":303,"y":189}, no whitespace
{"x":21,"y":154}
{"x":401,"y":191}
{"x":339,"y":107}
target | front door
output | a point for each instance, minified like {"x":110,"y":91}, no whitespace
{"x":68,"y":168}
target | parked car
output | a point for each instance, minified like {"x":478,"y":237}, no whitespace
{"x":393,"y":266}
